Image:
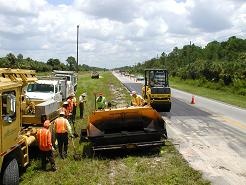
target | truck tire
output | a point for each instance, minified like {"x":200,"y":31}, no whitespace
{"x":168,"y":108}
{"x":11,"y":173}
{"x":88,"y":151}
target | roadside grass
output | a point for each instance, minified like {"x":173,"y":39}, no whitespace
{"x":155,"y":166}
{"x":224,"y":95}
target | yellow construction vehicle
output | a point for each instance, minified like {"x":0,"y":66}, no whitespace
{"x":156,"y":90}
{"x":19,"y":121}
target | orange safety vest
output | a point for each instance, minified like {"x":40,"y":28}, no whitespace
{"x":70,"y":105}
{"x":44,"y":139}
{"x":60,"y":125}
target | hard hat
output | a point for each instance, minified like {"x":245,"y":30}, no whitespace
{"x":134,"y":92}
{"x":65,"y":103}
{"x":47,"y":123}
{"x":62,"y":113}
{"x":83,"y":94}
{"x":72,"y":94}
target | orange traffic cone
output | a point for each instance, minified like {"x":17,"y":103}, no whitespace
{"x":192,"y":100}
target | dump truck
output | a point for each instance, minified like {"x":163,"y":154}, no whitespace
{"x":62,"y":86}
{"x":156,"y":90}
{"x":19,"y":121}
{"x":94,"y":75}
{"x":71,"y":77}
{"x":125,"y":128}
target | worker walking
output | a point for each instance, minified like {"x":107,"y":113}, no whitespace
{"x":72,"y":104}
{"x":64,"y":109}
{"x":82,"y":101}
{"x":62,"y":129}
{"x":101,"y":101}
{"x":137,"y":100}
{"x":45,"y":146}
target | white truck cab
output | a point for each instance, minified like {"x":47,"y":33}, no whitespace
{"x":44,"y":90}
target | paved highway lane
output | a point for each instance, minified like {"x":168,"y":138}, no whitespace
{"x":210,"y":135}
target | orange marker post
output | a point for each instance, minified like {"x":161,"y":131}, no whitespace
{"x":192,"y":100}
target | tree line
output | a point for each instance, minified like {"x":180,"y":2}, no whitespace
{"x":12,"y":61}
{"x":218,"y":64}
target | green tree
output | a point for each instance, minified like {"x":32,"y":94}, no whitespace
{"x":54,"y":63}
{"x":20,"y":56}
{"x":71,"y":63}
{"x":12,"y":60}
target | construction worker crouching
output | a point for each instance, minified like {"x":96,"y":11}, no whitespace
{"x":45,"y":146}
{"x":62,"y":129}
{"x":101,"y":101}
{"x":137,"y":100}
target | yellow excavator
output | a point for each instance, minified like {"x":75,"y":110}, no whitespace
{"x":156,"y":90}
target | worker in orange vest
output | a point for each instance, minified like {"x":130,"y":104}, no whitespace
{"x":45,"y":146}
{"x":62,"y":130}
{"x":70,"y":107}
{"x":65,"y":109}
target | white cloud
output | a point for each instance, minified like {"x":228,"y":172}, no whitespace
{"x":21,"y":7}
{"x":115,"y":33}
{"x":211,"y":16}
{"x":45,"y":46}
{"x":123,"y":11}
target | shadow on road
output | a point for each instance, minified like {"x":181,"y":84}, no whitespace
{"x":180,"y":108}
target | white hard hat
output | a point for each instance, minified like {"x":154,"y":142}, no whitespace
{"x":134,"y":92}
{"x":72,"y":94}
{"x":84,"y":94}
{"x":65,"y":103}
{"x":62,"y":113}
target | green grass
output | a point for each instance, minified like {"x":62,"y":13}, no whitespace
{"x":224,"y":95}
{"x":165,"y":166}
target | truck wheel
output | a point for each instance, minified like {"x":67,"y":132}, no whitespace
{"x":88,"y":151}
{"x":168,"y":108}
{"x":11,"y":173}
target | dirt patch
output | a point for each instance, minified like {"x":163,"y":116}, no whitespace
{"x":112,"y":171}
{"x":118,"y":97}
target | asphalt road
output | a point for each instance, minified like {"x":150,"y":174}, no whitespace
{"x":209,"y":134}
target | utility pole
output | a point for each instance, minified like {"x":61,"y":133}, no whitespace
{"x":77,"y":48}
{"x":189,"y":53}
